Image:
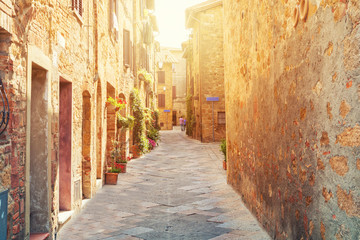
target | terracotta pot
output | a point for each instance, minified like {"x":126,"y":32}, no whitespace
{"x":123,"y":167}
{"x":224,"y":165}
{"x":111,"y":178}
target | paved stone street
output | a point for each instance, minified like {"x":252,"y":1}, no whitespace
{"x":178,"y":191}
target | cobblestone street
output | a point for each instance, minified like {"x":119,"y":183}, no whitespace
{"x":178,"y":191}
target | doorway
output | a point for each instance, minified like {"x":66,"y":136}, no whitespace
{"x":65,"y":125}
{"x":86,"y":146}
{"x":39,"y":180}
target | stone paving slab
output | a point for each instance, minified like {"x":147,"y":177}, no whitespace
{"x":178,"y":191}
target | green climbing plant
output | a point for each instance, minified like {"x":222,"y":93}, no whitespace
{"x":189,"y":115}
{"x":139,"y":129}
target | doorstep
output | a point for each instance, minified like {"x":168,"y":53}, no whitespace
{"x":39,"y":236}
{"x":64,"y":216}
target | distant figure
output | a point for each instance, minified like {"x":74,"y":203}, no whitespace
{"x":184,"y":124}
{"x":181,"y":120}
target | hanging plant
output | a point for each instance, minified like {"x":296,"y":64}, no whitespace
{"x":125,"y":122}
{"x":118,"y":103}
{"x":143,"y":75}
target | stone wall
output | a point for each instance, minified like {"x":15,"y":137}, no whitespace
{"x":211,"y":73}
{"x":165,"y":118}
{"x":207,"y":72}
{"x":74,"y":48}
{"x":292,"y":104}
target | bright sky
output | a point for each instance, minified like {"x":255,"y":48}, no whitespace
{"x":171,"y":20}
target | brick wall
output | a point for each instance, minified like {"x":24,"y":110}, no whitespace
{"x":293,"y":117}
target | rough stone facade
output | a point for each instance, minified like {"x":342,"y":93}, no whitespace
{"x":205,"y":71}
{"x":59,"y":63}
{"x":164,"y":88}
{"x":292,"y":105}
{"x":179,"y":83}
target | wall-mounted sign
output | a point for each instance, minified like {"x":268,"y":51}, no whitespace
{"x":166,"y":110}
{"x":212,"y":99}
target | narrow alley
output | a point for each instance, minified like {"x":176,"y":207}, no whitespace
{"x":178,"y":191}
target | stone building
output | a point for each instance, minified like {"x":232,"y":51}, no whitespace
{"x":59,"y":62}
{"x":293,"y":118}
{"x":179,"y":86}
{"x":205,"y":71}
{"x":165,"y":75}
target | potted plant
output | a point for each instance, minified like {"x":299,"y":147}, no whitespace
{"x":116,"y":164}
{"x":223,"y":150}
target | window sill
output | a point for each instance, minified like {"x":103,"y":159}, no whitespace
{"x":78,"y":16}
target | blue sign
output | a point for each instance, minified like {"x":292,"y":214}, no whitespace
{"x":166,"y":110}
{"x":212,"y":99}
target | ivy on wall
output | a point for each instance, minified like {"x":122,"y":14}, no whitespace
{"x":139,"y":129}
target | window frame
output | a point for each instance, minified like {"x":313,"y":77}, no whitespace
{"x":223,"y":119}
{"x":162,"y":72}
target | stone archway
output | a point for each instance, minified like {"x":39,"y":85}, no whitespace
{"x":86,"y":146}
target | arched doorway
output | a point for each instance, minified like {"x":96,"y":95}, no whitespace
{"x":86,"y":146}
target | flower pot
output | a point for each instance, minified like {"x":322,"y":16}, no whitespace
{"x":224,"y":165}
{"x":111,"y":178}
{"x":123,"y":167}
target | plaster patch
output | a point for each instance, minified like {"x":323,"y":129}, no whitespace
{"x":328,"y":109}
{"x":340,"y":165}
{"x":344,"y":109}
{"x":324,"y":140}
{"x":350,"y":137}
{"x":327,"y":194}
{"x":320,"y":164}
{"x":322,"y":230}
{"x":347,"y":203}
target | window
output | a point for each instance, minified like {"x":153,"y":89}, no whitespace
{"x":161,"y":76}
{"x":77,"y":6}
{"x":114,"y":23}
{"x":221,"y":118}
{"x":174,"y":92}
{"x":127,"y":48}
{"x":161,"y":100}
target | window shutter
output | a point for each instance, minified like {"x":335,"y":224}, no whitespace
{"x":131,"y":57}
{"x":161,"y":100}
{"x":80,"y":7}
{"x":174,"y":92}
{"x":126,"y":50}
{"x":161,"y":76}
